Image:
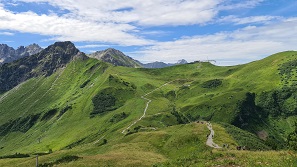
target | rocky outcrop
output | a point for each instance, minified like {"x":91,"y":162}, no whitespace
{"x":9,"y":54}
{"x":43,"y":63}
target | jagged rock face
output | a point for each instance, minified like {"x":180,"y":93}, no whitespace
{"x":44,"y":63}
{"x":80,"y":56}
{"x":9,"y":54}
{"x":33,"y":49}
{"x":6,"y":53}
{"x":116,"y":58}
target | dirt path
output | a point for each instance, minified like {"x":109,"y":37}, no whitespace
{"x":144,"y":113}
{"x":209,"y":140}
{"x":147,"y":105}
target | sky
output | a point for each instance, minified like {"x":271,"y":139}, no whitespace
{"x":230,"y":32}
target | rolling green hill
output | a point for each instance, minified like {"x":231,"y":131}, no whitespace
{"x":88,"y":112}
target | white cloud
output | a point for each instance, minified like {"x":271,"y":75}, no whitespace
{"x":144,"y":13}
{"x":157,"y":33}
{"x":248,"y":20}
{"x":243,"y":45}
{"x":91,"y":46}
{"x":69,"y":28}
{"x":7,"y":41}
{"x":120,"y":22}
{"x":113,"y":22}
{"x":7,"y":33}
{"x":233,"y":5}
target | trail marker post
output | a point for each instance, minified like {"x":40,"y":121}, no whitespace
{"x":36,"y":160}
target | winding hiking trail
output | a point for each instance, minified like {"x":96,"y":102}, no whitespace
{"x":209,"y":140}
{"x":146,"y":107}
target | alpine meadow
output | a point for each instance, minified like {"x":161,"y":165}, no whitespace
{"x":73,"y":110}
{"x":154,"y":83}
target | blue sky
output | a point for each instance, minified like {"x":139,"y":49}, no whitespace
{"x":228,"y":31}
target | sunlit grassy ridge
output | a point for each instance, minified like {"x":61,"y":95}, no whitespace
{"x":197,"y":91}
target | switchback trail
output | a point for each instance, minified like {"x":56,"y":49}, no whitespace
{"x":209,"y":140}
{"x":146,"y":107}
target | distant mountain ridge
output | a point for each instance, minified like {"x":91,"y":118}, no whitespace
{"x":116,"y":58}
{"x":162,"y":64}
{"x":110,"y":55}
{"x":9,"y":54}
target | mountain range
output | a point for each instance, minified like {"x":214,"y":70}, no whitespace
{"x":157,"y":64}
{"x":9,"y":54}
{"x":110,"y":55}
{"x":73,"y":110}
{"x":118,"y":58}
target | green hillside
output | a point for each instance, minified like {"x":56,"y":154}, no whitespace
{"x":89,"y":112}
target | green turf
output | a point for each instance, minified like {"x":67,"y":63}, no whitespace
{"x":196,"y":91}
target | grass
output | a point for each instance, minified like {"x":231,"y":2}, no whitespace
{"x":197,"y":91}
{"x":172,"y":146}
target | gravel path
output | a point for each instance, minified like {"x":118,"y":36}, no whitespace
{"x":147,"y":105}
{"x":209,"y":140}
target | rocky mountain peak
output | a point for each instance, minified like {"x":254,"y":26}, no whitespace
{"x":182,"y":61}
{"x":43,"y":63}
{"x":33,"y":49}
{"x":6,"y":52}
{"x":115,"y":57}
{"x":9,"y":54}
{"x":66,"y":47}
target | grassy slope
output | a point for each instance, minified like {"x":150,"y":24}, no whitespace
{"x":40,"y":95}
{"x":180,"y":145}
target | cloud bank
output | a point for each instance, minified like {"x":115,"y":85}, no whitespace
{"x":118,"y":23}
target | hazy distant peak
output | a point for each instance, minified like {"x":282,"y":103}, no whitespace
{"x":9,"y":54}
{"x":182,"y":61}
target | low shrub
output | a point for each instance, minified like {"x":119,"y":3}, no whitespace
{"x":65,"y":159}
{"x":103,"y":102}
{"x":214,"y":83}
{"x":49,"y":114}
{"x":16,"y":155}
